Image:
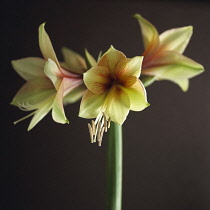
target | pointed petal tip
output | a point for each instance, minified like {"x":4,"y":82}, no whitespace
{"x":112,"y":47}
{"x":42,"y":25}
{"x":137,"y":16}
{"x":190,"y":27}
{"x":13,"y":63}
{"x":12,"y":103}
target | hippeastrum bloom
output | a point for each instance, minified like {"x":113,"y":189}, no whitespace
{"x":49,"y":83}
{"x":113,"y":89}
{"x":163,"y":59}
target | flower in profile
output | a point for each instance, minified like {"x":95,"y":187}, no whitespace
{"x":163,"y":59}
{"x":49,"y":84}
{"x":113,"y":89}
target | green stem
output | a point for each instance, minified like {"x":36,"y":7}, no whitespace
{"x":114,"y":168}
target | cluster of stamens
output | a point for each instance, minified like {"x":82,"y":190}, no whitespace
{"x":98,"y":127}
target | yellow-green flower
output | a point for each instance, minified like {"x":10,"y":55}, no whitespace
{"x":49,"y":84}
{"x":113,"y":90}
{"x":163,"y":59}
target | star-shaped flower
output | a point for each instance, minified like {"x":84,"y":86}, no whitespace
{"x":49,"y":84}
{"x":113,"y":90}
{"x":163,"y":59}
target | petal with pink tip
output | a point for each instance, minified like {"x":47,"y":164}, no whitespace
{"x":111,"y":59}
{"x":46,"y":45}
{"x":176,"y":39}
{"x":29,"y":68}
{"x":97,"y":79}
{"x":149,"y":34}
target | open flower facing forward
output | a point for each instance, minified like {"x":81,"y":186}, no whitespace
{"x":163,"y":59}
{"x":49,"y":83}
{"x":113,"y":89}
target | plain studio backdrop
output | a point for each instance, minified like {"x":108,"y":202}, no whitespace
{"x":166,"y":146}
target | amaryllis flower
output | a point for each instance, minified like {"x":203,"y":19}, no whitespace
{"x":49,"y":83}
{"x":163,"y":59}
{"x":113,"y":89}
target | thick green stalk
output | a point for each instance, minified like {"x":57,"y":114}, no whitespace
{"x":114,"y":168}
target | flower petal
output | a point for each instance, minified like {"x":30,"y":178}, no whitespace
{"x":129,"y":67}
{"x":33,"y":94}
{"x":74,"y":95}
{"x":149,"y":34}
{"x":91,"y":60}
{"x":117,"y":105}
{"x":176,"y":68}
{"x":176,"y":39}
{"x":29,"y":68}
{"x":74,"y":62}
{"x":137,"y":95}
{"x":148,"y":80}
{"x":91,"y":104}
{"x":46,"y":45}
{"x":58,"y":113}
{"x":97,"y":79}
{"x":40,"y":114}
{"x":53,"y":73}
{"x":70,"y":84}
{"x":182,"y":83}
{"x":111,"y":58}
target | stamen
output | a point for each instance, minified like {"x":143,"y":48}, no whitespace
{"x":98,"y":127}
{"x":91,"y":132}
{"x":93,"y":127}
{"x":101,"y":136}
{"x":99,"y":131}
{"x":109,"y":122}
{"x":105,"y":122}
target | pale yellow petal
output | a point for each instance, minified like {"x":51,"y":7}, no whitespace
{"x":75,"y":95}
{"x":46,"y":45}
{"x":149,"y":34}
{"x":97,"y":79}
{"x":32,"y":94}
{"x":58,"y":113}
{"x":137,"y":95}
{"x":53,"y":73}
{"x":176,"y":68}
{"x":73,"y":61}
{"x":111,"y":59}
{"x":29,"y":68}
{"x":129,"y":67}
{"x":176,"y":39}
{"x":117,"y":105}
{"x":91,"y":104}
{"x":40,"y":114}
{"x":91,"y":60}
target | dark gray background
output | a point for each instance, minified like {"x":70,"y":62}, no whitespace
{"x":166,"y":147}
